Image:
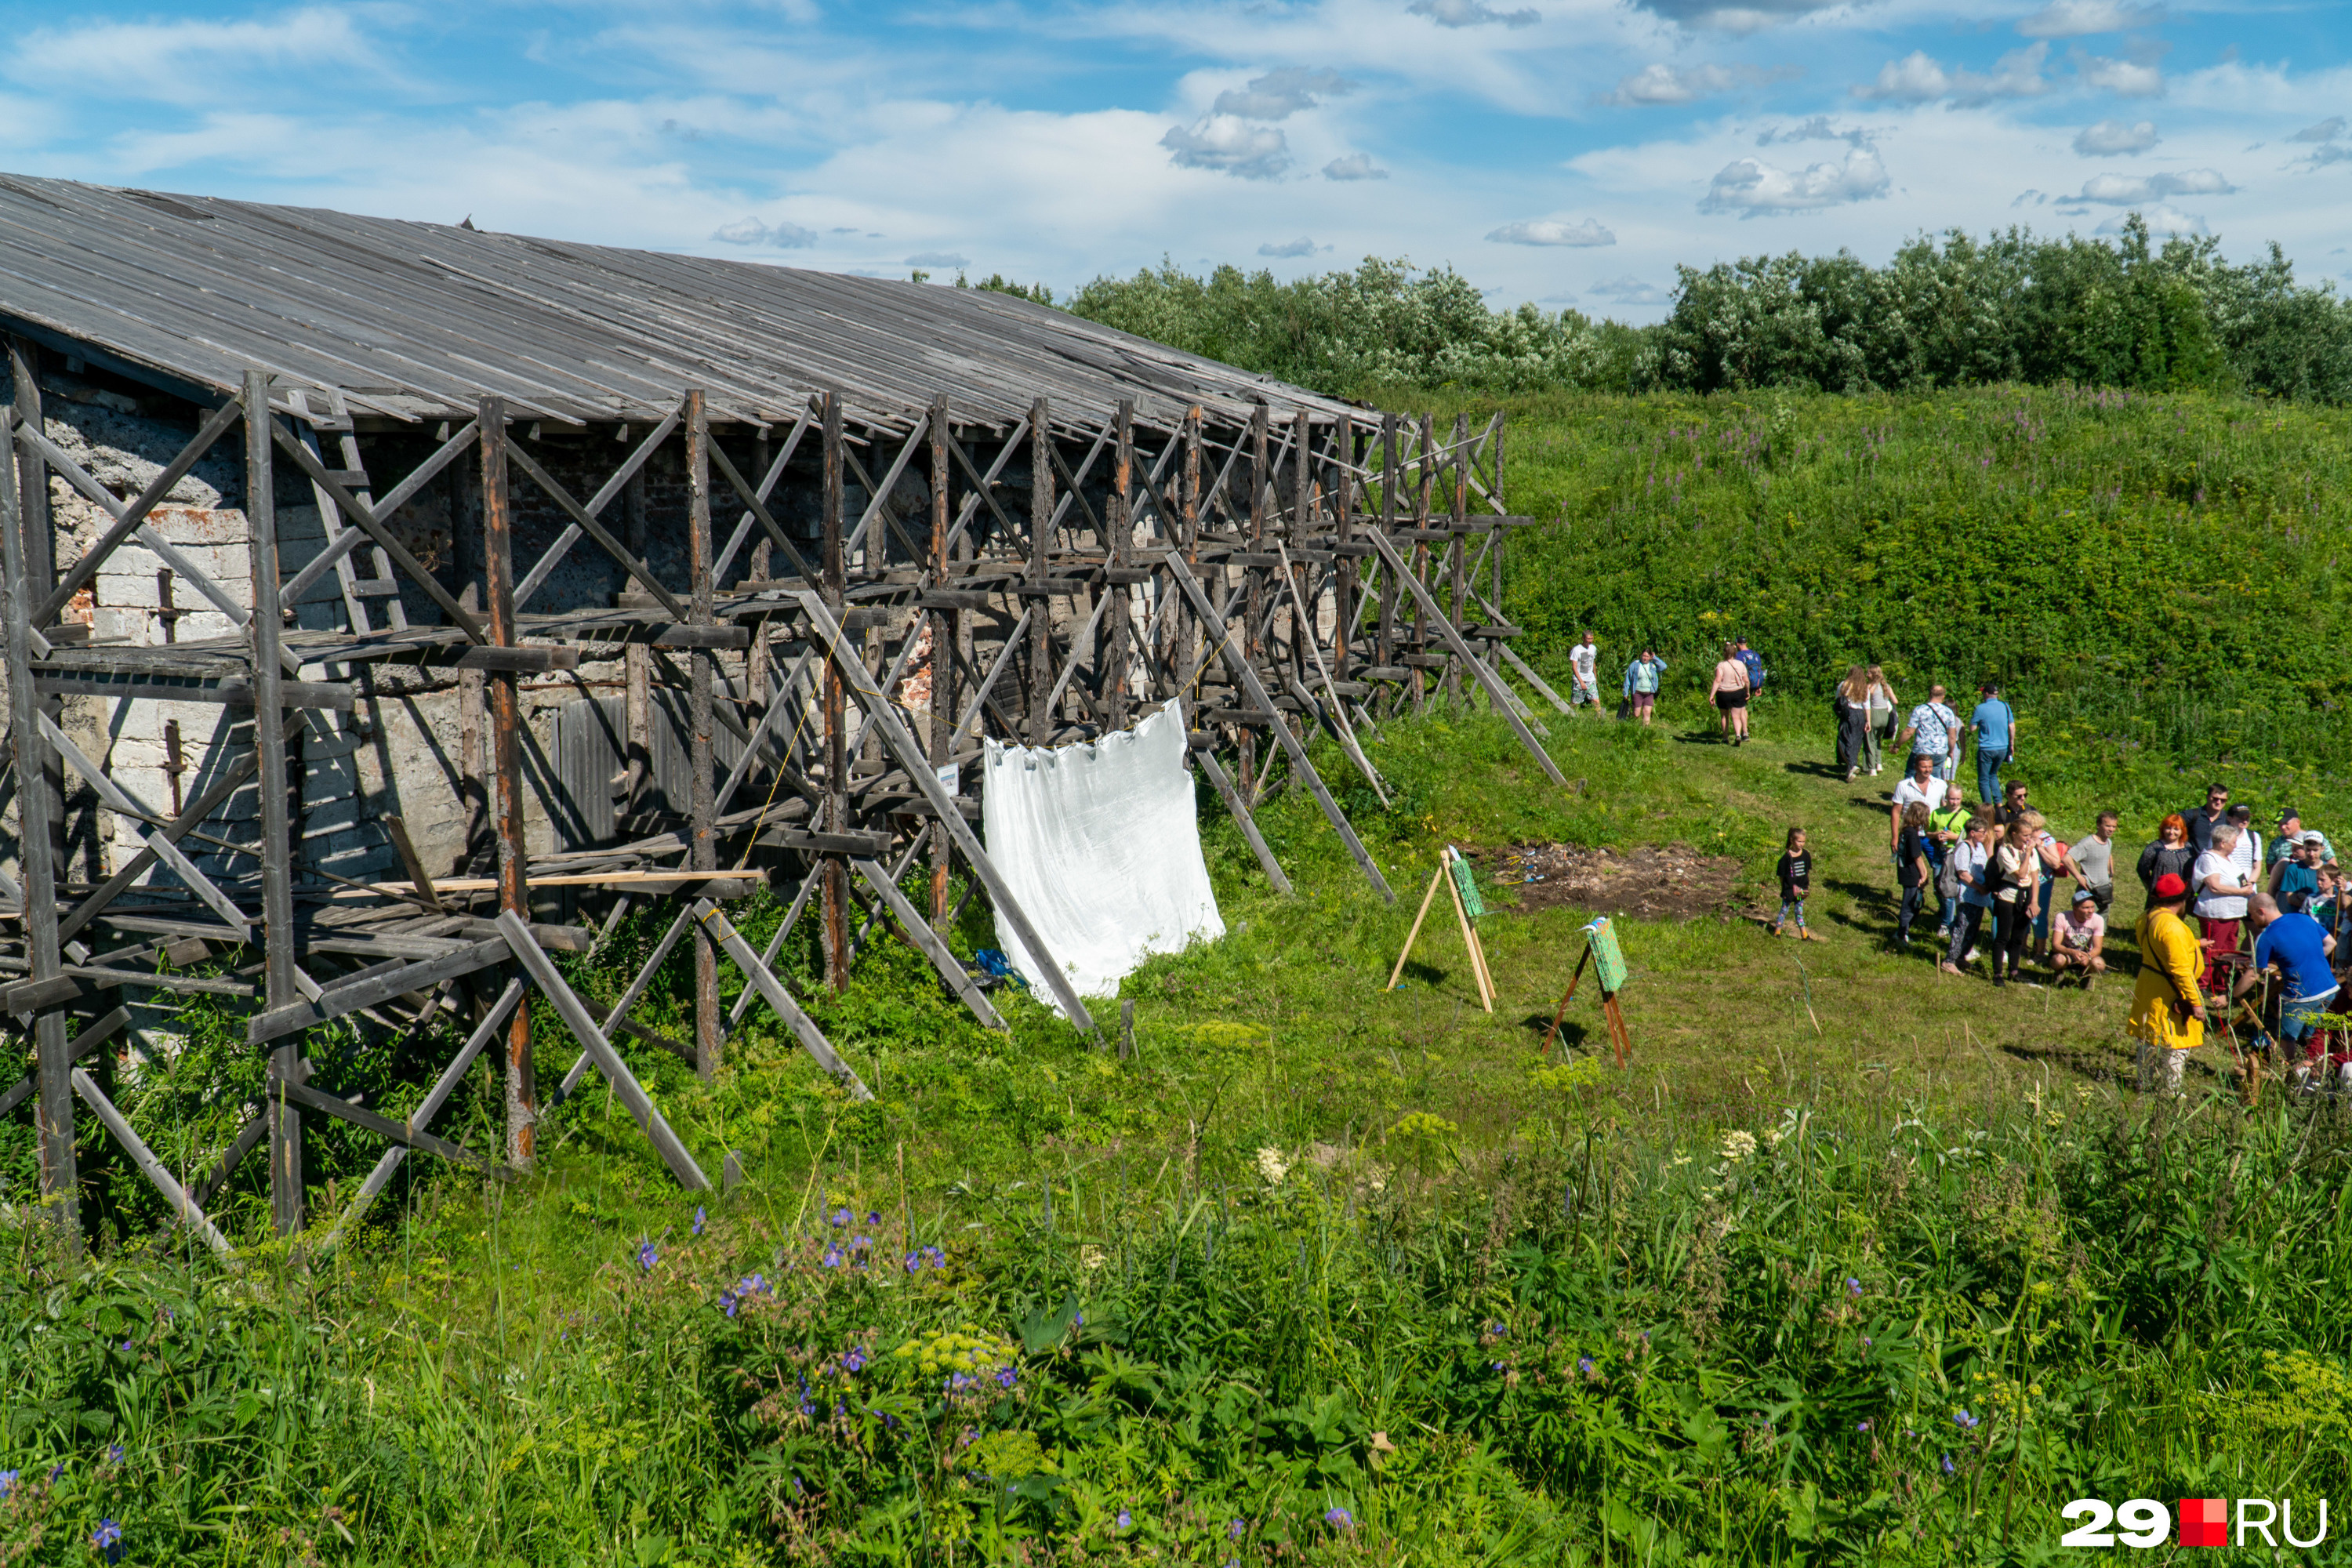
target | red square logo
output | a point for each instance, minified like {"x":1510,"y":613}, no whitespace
{"x":2204,"y":1522}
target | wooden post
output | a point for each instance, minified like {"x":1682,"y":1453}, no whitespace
{"x":54,"y":1112}
{"x":1343,"y":508}
{"x":39,"y":529}
{"x":1384,"y":644}
{"x":1041,"y":534}
{"x":945,"y":630}
{"x":1188,"y":535}
{"x":1254,"y":592}
{"x":1460,"y":468}
{"x":833,"y":871}
{"x":1120,"y":521}
{"x":702,"y":848}
{"x":1420,"y":915}
{"x":1494,"y":553}
{"x":505,"y":690}
{"x":269,"y":741}
{"x":1305,"y":495}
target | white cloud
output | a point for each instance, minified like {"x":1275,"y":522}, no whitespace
{"x":1302,"y":246}
{"x":1355,"y":166}
{"x":2125,"y":79}
{"x":1663,"y":84}
{"x":1752,"y":17}
{"x":1817,"y":129}
{"x":937,"y":259}
{"x":2327,"y":130}
{"x":2113,"y":138}
{"x":1552,"y":231}
{"x":2134,"y":190}
{"x":197,"y":62}
{"x":1751,"y":187}
{"x":2081,"y":18}
{"x":1230,"y":145}
{"x":1280,"y":94}
{"x":1918,"y":77}
{"x":1471,"y":14}
{"x":2160,"y":218}
{"x":779,"y":235}
{"x":1630,"y":291}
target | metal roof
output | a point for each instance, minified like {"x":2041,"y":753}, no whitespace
{"x":416,"y":321}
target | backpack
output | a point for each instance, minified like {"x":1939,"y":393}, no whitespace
{"x":1755,"y":663}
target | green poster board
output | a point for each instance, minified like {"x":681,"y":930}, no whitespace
{"x":1467,"y":885}
{"x":1608,"y":958}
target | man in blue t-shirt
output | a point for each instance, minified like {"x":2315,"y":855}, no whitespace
{"x":2297,"y":946}
{"x":1995,"y":725}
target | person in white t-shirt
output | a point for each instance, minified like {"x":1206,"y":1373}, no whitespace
{"x":2221,"y":890}
{"x":1584,"y":659}
{"x":1919,"y":785}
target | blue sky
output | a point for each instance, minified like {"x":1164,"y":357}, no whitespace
{"x":1570,"y":151}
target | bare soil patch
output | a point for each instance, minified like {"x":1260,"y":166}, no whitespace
{"x":1654,"y":882}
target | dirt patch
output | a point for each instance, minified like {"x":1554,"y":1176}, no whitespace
{"x":1653,"y":882}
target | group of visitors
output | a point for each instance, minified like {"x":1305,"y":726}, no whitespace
{"x":1738,"y":678}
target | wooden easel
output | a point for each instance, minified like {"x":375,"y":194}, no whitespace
{"x":1446,"y":859}
{"x":1599,"y":937}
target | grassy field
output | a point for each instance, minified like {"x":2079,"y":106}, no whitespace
{"x":1852,"y":1262}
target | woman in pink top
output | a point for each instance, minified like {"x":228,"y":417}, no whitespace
{"x":1730,"y":694}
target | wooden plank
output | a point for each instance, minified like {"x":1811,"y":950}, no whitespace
{"x":505,"y":690}
{"x":624,"y":1083}
{"x":927,"y":941}
{"x":515,"y":660}
{"x":565,"y":879}
{"x":308,"y":694}
{"x":93,"y":1040}
{"x":419,"y":881}
{"x":712,"y":919}
{"x":1240,"y":812}
{"x":351,"y":995}
{"x":182,"y":1207}
{"x":343,"y":1110}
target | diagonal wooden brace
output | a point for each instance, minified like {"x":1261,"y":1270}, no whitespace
{"x":927,"y":941}
{"x":811,"y":1039}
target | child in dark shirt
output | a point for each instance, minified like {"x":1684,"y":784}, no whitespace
{"x":1796,"y":873}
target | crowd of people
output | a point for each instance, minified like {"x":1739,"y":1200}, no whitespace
{"x":2231,"y":920}
{"x":2267,"y":916}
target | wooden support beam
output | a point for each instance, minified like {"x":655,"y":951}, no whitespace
{"x":381,"y":1175}
{"x":277,"y":845}
{"x":182,"y":1207}
{"x":946,"y":627}
{"x":504,"y":689}
{"x":1240,"y":813}
{"x":384,"y":1126}
{"x":1246,"y":677}
{"x":625,"y":1087}
{"x":884,"y":719}
{"x":710,"y":918}
{"x":833,"y":871}
{"x":702,"y":847}
{"x":928,"y":943}
{"x":372,"y":987}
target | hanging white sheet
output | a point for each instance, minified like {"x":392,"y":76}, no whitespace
{"x":1101,"y":845}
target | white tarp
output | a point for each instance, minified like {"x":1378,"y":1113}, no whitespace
{"x":1101,"y":845}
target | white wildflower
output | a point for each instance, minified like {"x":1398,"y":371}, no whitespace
{"x":1272,"y":1166}
{"x":1738,"y":1144}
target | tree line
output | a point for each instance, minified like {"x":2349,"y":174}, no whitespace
{"x":1948,"y":310}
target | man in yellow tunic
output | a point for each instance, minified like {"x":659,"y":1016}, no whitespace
{"x":2167,"y":1015}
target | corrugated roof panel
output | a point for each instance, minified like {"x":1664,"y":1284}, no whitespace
{"x":419,"y":320}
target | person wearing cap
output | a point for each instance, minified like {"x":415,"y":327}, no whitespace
{"x":2292,"y":833}
{"x":2297,"y":946}
{"x":2297,"y":871}
{"x":2167,"y":1015}
{"x":2080,"y":939}
{"x":1994,"y":722}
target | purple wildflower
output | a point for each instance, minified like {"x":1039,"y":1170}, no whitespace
{"x":114,"y":1453}
{"x":855,"y":1361}
{"x":1853,"y":1287}
{"x":1125,"y":1520}
{"x":1006,"y":1377}
{"x":729,"y":1301}
{"x":872,"y":1217}
{"x":1339,"y":1518}
{"x":1236,"y":1529}
{"x":8,"y":1483}
{"x":1862,"y":1426}
{"x":1966,"y":1422}
{"x":1948,"y":1466}
{"x":832,"y":1258}
{"x":840,"y":1218}
{"x":108,"y":1538}
{"x":1584,"y":1366}
{"x":55,"y":1471}
{"x":1866,"y":1342}
{"x":697,"y":1221}
{"x":646,"y":1256}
